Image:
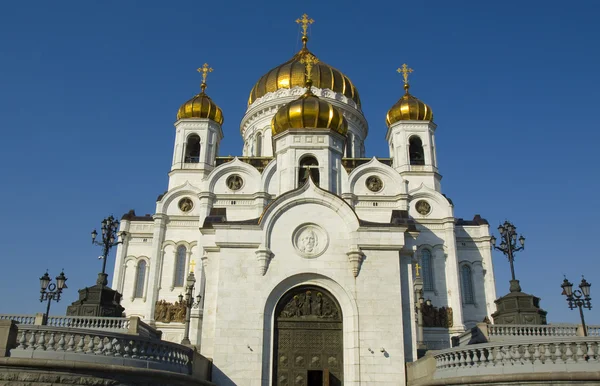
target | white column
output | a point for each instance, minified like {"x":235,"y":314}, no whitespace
{"x":452,"y":275}
{"x":489,"y":283}
{"x":155,"y":263}
{"x":117,"y":280}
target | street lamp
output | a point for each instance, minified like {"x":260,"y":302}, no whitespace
{"x":508,"y":246}
{"x":109,"y":235}
{"x":189,"y":304}
{"x":50,"y":291}
{"x":574,"y":298}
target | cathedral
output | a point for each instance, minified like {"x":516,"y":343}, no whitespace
{"x":313,"y":265}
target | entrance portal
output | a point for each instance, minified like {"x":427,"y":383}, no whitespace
{"x":308,"y":339}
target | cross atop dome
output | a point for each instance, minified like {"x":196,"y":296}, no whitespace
{"x":204,"y":70}
{"x":405,"y":70}
{"x":305,"y":21}
{"x":309,"y":60}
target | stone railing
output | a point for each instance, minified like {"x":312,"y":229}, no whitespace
{"x":64,"y":343}
{"x":484,"y":332}
{"x":534,"y":355}
{"x":21,"y":319}
{"x":131,"y":325}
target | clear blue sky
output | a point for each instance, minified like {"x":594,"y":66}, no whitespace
{"x":89,"y":91}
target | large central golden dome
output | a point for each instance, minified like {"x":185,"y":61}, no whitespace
{"x":291,"y":74}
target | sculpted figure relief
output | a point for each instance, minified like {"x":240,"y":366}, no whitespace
{"x":310,"y":304}
{"x":308,"y":241}
{"x":166,"y":312}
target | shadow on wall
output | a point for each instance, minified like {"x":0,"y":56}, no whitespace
{"x":219,"y":377}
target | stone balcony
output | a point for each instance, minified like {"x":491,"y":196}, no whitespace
{"x":513,"y":354}
{"x":94,"y":350}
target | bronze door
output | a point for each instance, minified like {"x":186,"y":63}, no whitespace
{"x":308,"y":339}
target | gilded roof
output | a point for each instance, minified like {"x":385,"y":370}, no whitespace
{"x":291,"y":74}
{"x":201,"y":106}
{"x":309,"y":112}
{"x":408,"y":108}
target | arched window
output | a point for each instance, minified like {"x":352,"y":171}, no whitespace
{"x":427,"y":269}
{"x":415,"y":150}
{"x":180,"y":258}
{"x":308,"y":167}
{"x":466,"y":277}
{"x":140,"y":278}
{"x":258,"y":145}
{"x":192,"y":149}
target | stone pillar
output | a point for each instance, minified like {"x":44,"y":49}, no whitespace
{"x":158,"y":236}
{"x":452,"y":275}
{"x":488,"y":277}
{"x":8,"y":337}
{"x":117,"y":280}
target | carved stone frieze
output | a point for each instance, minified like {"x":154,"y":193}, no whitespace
{"x":310,"y":304}
{"x":166,"y":312}
{"x":437,"y":317}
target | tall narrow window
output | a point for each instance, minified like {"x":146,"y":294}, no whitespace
{"x":415,"y":150}
{"x":427,"y":269}
{"x":309,"y":167}
{"x":258,"y":145}
{"x":180,"y":266}
{"x":192,"y":149}
{"x":349,"y":145}
{"x":466,"y":277}
{"x":140,"y":278}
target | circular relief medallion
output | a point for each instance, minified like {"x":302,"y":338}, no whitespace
{"x":234,"y":182}
{"x":374,"y":184}
{"x":423,"y":207}
{"x":310,"y":240}
{"x":185,"y":204}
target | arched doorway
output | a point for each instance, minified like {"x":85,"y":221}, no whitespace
{"x":308,"y":339}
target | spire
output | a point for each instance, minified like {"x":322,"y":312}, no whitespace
{"x":309,"y":60}
{"x":305,"y":21}
{"x":205,"y":69}
{"x":404,"y":70}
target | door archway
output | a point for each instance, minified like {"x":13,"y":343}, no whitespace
{"x":308,"y":339}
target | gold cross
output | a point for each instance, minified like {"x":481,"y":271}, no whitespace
{"x":205,"y":69}
{"x":309,"y":60}
{"x":192,"y":266}
{"x":305,"y":21}
{"x":404,"y":70}
{"x":417,"y":268}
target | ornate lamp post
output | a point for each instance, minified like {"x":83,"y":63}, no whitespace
{"x":508,"y":246}
{"x":109,"y":240}
{"x":574,"y":298}
{"x":189,"y":304}
{"x":50,"y":291}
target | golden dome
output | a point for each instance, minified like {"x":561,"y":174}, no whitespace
{"x":308,"y":112}
{"x":291,"y":74}
{"x":408,"y":108}
{"x":201,"y":106}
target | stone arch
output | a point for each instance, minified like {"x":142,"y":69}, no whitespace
{"x":349,"y":309}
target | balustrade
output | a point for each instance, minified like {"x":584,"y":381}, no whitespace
{"x":51,"y":342}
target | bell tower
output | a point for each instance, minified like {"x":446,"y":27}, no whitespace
{"x":411,"y":138}
{"x":197,"y":138}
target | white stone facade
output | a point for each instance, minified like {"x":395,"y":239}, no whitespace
{"x":251,"y":233}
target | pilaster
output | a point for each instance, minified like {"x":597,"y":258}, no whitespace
{"x":158,"y":237}
{"x":452,"y":275}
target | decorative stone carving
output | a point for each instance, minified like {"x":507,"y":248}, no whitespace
{"x":437,"y":317}
{"x":263,"y":256}
{"x":310,"y":240}
{"x":166,"y":312}
{"x":374,"y":184}
{"x":235,"y":182}
{"x":423,"y":207}
{"x":310,"y":304}
{"x":355,"y":257}
{"x":185,"y":204}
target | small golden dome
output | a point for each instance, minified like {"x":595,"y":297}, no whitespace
{"x":408,"y":108}
{"x":291,"y":74}
{"x":308,"y":112}
{"x":201,"y":106}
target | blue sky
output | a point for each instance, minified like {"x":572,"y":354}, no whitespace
{"x":89,"y":92}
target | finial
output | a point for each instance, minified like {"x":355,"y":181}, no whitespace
{"x":205,"y":69}
{"x":305,"y":21}
{"x":404,"y":70}
{"x":309,"y":60}
{"x":192,"y":266}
